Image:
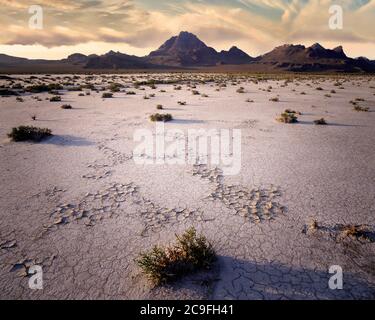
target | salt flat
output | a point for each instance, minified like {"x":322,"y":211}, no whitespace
{"x":78,"y":205}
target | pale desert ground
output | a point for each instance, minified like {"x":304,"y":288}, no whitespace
{"x":78,"y":205}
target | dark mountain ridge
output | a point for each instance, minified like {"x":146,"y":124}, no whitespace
{"x":187,"y":51}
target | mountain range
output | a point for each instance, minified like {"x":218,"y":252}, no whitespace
{"x":187,"y":51}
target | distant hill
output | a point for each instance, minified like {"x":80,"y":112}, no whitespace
{"x":187,"y":51}
{"x":313,"y":59}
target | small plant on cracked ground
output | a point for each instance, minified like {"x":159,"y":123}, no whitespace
{"x":321,"y":121}
{"x":293,"y":111}
{"x":107,"y":95}
{"x":191,"y":253}
{"x":55,"y":99}
{"x":357,"y":232}
{"x":361,"y":109}
{"x":66,"y":106}
{"x":288,"y":117}
{"x":157,"y":117}
{"x":29,"y":133}
{"x":159,"y":107}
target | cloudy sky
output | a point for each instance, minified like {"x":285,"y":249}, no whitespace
{"x":139,"y":26}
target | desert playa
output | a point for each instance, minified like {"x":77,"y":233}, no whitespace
{"x":77,"y":203}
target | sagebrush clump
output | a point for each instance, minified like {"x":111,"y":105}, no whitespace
{"x":29,"y":133}
{"x":288,"y":116}
{"x":55,"y":99}
{"x":157,"y":117}
{"x":165,"y":264}
{"x":361,"y":109}
{"x":321,"y":121}
{"x":107,"y":95}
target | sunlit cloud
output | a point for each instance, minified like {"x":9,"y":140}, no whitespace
{"x":255,"y":26}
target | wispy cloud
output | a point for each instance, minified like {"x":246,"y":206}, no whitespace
{"x":254,"y":25}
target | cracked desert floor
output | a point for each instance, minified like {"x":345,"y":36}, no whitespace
{"x":79,"y":206}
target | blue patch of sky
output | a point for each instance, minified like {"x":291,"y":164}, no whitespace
{"x":356,"y":4}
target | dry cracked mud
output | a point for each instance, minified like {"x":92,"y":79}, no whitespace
{"x":78,"y":205}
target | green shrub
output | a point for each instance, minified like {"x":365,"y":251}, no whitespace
{"x":38,"y":88}
{"x":29,"y":133}
{"x":66,"y":106}
{"x":321,"y":121}
{"x":292,"y":111}
{"x":191,"y":253}
{"x":55,"y":99}
{"x":288,"y":117}
{"x":75,"y":88}
{"x":361,"y":109}
{"x":159,"y":107}
{"x":107,"y":95}
{"x":115,"y":87}
{"x":54,"y":92}
{"x":7,"y":93}
{"x":157,"y":117}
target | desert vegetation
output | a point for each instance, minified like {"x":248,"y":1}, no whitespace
{"x":55,"y":99}
{"x":192,"y":252}
{"x":107,"y":95}
{"x":288,"y":116}
{"x":361,"y":109}
{"x":157,"y":117}
{"x":29,"y":133}
{"x":321,"y":121}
